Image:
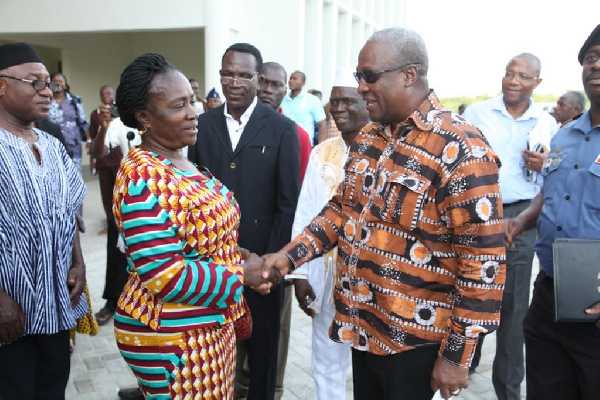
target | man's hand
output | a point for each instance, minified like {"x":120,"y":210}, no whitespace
{"x":12,"y":319}
{"x":76,"y":282}
{"x":448,"y":378}
{"x":304,"y":295}
{"x":104,"y":116}
{"x":279,"y":261}
{"x":513,"y":227}
{"x":534,"y":160}
{"x":595,"y":310}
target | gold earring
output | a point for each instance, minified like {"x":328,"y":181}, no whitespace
{"x":142,"y":132}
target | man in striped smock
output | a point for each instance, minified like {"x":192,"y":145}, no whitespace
{"x":417,"y":221}
{"x":42,"y":272}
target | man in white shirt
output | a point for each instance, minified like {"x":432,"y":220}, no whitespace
{"x":520,"y":133}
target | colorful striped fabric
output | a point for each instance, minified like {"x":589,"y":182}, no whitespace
{"x":195,"y":364}
{"x":174,"y":320}
{"x":180,"y":233}
{"x":418,"y":225}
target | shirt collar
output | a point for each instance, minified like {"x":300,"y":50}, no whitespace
{"x":584,"y":123}
{"x":423,"y":117}
{"x":531,"y":112}
{"x":289,"y":94}
{"x":246,"y":115}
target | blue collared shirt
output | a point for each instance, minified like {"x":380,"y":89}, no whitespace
{"x":571,"y":188}
{"x":305,"y":110}
{"x":508,"y":137}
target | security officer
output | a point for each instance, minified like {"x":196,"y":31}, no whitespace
{"x":563,"y":358}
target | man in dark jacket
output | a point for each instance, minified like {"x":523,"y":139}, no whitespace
{"x":255,"y":152}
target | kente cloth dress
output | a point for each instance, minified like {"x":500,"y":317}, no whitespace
{"x":174,"y":319}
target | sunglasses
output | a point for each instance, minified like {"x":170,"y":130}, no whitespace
{"x":37,"y":84}
{"x":373,"y":76}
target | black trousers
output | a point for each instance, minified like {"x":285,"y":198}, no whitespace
{"x":116,"y":266}
{"x":563,"y":358}
{"x":35,"y":367}
{"x":262,"y":346}
{"x":403,"y":376}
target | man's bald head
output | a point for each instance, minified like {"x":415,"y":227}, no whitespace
{"x":534,"y":62}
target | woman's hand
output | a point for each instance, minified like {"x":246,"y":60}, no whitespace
{"x":257,"y":275}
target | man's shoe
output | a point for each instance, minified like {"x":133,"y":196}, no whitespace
{"x":104,"y":315}
{"x":131,"y":394}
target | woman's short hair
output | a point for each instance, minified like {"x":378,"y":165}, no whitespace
{"x":135,"y":84}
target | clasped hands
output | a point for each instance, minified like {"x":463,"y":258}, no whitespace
{"x":262,"y":273}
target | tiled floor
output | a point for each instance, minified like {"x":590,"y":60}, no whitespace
{"x":98,"y":371}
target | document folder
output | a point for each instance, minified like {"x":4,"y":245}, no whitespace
{"x":576,"y":279}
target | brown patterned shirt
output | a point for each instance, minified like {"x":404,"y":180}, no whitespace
{"x":418,"y":225}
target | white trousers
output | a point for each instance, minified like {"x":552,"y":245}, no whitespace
{"x":330,"y":360}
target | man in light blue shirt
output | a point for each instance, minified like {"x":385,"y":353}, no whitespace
{"x":563,"y":358}
{"x":518,"y":131}
{"x":302,"y":107}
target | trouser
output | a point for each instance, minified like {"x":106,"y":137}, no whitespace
{"x":261,"y":348}
{"x":35,"y":367}
{"x":403,"y":376}
{"x":330,"y":360}
{"x":563,"y":358}
{"x":116,"y":266}
{"x":508,"y":369}
{"x":284,"y":339}
{"x":106,"y":178}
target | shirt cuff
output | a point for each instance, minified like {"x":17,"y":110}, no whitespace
{"x":294,"y":265}
{"x":458,"y":350}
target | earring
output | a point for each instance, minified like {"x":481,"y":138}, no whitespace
{"x":141,"y":133}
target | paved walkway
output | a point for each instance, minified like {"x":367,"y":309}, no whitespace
{"x":98,"y":371}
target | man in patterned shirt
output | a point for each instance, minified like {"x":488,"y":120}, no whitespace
{"x":418,"y":225}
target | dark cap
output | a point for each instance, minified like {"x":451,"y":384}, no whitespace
{"x":213,"y":94}
{"x":16,"y":54}
{"x":592,"y":40}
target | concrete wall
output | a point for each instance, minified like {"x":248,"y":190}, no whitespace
{"x":92,"y":60}
{"x":96,"y":39}
{"x":60,"y":16}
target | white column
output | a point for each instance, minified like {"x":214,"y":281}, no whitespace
{"x":330,"y":48}
{"x":344,"y":39}
{"x":216,"y":40}
{"x":313,"y":43}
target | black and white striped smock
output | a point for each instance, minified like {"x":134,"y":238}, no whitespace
{"x":37,"y":229}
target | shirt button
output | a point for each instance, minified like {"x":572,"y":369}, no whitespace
{"x":576,"y":166}
{"x":567,"y":197}
{"x":559,"y":228}
{"x":587,"y":139}
{"x":232,"y":165}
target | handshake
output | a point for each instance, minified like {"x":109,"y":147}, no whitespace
{"x":262,"y":273}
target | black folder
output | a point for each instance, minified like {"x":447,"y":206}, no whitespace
{"x":576,"y":278}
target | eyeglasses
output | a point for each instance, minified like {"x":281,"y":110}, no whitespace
{"x":373,"y":76}
{"x":228,"y":80}
{"x":520,"y":77}
{"x":37,"y":84}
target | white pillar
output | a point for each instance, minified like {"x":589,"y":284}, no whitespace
{"x":330,"y":48}
{"x":313,"y":43}
{"x":216,"y":40}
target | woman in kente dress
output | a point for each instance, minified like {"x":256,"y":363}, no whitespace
{"x":174,"y":323}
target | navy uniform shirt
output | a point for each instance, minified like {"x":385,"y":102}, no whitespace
{"x":571,"y":188}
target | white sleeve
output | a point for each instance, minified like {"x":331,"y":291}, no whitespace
{"x":313,"y":197}
{"x":116,"y":135}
